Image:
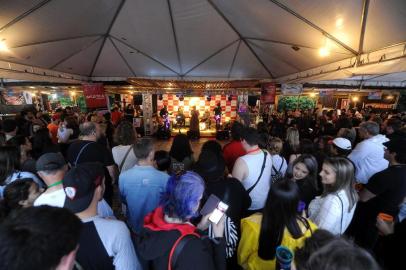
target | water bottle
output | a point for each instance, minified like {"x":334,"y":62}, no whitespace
{"x":284,"y":258}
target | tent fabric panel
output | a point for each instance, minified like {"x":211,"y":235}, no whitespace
{"x":385,"y":24}
{"x":62,"y":19}
{"x":110,"y":63}
{"x":247,"y":66}
{"x":38,"y":55}
{"x":281,"y":55}
{"x":82,"y":62}
{"x":201,"y":31}
{"x":15,"y":8}
{"x":142,"y":65}
{"x":265,"y":20}
{"x":151,"y":34}
{"x":218,"y":65}
{"x":341,"y":19}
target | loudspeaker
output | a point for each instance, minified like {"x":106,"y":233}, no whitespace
{"x":154,"y":103}
{"x":252,"y":100}
{"x":137,"y":99}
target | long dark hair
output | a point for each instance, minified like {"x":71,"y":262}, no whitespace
{"x":180,"y":147}
{"x":9,"y":161}
{"x":311,"y":164}
{"x":280,"y":212}
{"x":14,"y":193}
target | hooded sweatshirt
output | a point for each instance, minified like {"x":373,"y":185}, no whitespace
{"x":368,"y":158}
{"x":158,"y":237}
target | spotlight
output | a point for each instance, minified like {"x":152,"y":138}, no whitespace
{"x":208,"y":98}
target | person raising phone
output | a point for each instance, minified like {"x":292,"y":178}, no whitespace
{"x":169,"y":240}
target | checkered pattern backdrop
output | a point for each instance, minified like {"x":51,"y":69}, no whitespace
{"x":229,"y":108}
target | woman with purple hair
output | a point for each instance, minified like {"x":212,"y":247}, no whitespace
{"x":170,"y":241}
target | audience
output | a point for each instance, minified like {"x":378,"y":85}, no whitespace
{"x":123,"y":154}
{"x":181,"y":154}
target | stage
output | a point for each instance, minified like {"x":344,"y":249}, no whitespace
{"x":205,"y":133}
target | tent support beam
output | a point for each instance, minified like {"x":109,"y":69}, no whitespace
{"x":146,"y":55}
{"x":363,"y":27}
{"x":210,"y":56}
{"x":75,"y":53}
{"x":234,"y":57}
{"x":280,"y":42}
{"x":241,"y":37}
{"x":55,"y":40}
{"x":175,"y":37}
{"x":106,"y":35}
{"x":25,"y":14}
{"x":300,"y":17}
{"x":122,"y":57}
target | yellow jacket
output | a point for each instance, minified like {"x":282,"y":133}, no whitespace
{"x":247,"y":254}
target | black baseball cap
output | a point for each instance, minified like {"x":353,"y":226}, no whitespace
{"x":50,"y":162}
{"x":80,"y":183}
{"x":396,"y":145}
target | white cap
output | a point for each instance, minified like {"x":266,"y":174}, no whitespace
{"x":342,"y":143}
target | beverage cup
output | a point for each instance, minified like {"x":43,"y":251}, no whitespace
{"x":284,"y":258}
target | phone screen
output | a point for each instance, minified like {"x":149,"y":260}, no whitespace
{"x":218,"y":212}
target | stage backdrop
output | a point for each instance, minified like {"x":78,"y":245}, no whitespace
{"x":229,"y":108}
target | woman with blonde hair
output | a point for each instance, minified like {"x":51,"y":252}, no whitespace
{"x":292,"y":143}
{"x":334,"y":209}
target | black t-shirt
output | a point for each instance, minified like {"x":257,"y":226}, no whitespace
{"x":217,"y":110}
{"x":389,"y":186}
{"x":93,"y":152}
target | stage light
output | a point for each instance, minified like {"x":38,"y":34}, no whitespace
{"x":355,"y":99}
{"x":3,"y":46}
{"x":323,"y":52}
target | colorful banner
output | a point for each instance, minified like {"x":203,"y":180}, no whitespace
{"x":11,"y":97}
{"x":94,"y":95}
{"x":291,"y":89}
{"x":375,"y":95}
{"x":268,"y":93}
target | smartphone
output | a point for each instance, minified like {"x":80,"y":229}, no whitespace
{"x":210,"y":205}
{"x":218,"y":212}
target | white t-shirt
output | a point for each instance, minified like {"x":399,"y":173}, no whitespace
{"x":116,"y":239}
{"x":64,"y":134}
{"x":57,"y":199}
{"x":118,"y":156}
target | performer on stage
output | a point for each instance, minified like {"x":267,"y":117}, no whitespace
{"x":217,"y":115}
{"x":165,"y":117}
{"x":194,"y":123}
{"x":244,"y":113}
{"x":206,"y":119}
{"x":180,"y":118}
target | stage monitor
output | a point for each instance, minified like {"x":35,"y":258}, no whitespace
{"x":252,"y":100}
{"x":137,"y":99}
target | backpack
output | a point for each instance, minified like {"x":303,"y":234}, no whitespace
{"x":277,"y":175}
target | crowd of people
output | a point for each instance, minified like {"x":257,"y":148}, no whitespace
{"x":86,"y":192}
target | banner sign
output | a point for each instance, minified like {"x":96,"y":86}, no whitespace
{"x":94,"y":95}
{"x":12,"y":98}
{"x":326,"y":93}
{"x":292,"y":89}
{"x":375,"y":95}
{"x":268,"y":93}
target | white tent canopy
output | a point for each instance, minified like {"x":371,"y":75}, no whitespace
{"x":276,"y":40}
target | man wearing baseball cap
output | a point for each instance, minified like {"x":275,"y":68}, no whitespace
{"x":104,"y":243}
{"x":51,"y":167}
{"x":341,"y":147}
{"x":384,"y":193}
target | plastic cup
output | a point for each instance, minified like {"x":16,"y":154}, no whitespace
{"x":284,"y":258}
{"x":385,"y":217}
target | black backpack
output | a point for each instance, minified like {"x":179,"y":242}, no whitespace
{"x":277,"y":175}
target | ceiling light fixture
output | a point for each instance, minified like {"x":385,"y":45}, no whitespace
{"x":3,"y":46}
{"x":324,"y":51}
